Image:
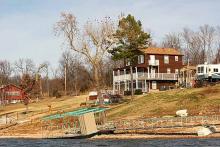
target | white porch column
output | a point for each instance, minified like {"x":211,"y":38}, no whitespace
{"x":136,"y":77}
{"x":119,"y":86}
{"x":158,"y":71}
{"x":113,"y":81}
{"x":125,"y":82}
{"x":119,"y":74}
{"x":145,"y":85}
{"x":128,"y":85}
{"x":148,"y":72}
{"x":119,"y":81}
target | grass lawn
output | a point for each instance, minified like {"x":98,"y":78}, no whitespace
{"x":196,"y":100}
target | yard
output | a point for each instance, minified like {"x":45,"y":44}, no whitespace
{"x":198,"y":101}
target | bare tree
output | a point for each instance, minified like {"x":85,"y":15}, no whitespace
{"x":172,"y":40}
{"x":207,"y":36}
{"x":200,"y":45}
{"x":76,"y":73}
{"x":193,"y":47}
{"x":24,"y":66}
{"x":93,"y":42}
{"x":5,"y":72}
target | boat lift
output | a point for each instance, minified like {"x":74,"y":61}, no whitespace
{"x":79,"y":123}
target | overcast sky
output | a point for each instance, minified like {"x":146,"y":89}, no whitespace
{"x":26,"y":26}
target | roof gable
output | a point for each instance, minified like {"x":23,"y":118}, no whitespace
{"x":5,"y":86}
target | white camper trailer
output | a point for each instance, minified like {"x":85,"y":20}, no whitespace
{"x":208,"y":72}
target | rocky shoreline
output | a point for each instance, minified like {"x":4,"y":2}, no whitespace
{"x":118,"y":136}
{"x":144,"y":136}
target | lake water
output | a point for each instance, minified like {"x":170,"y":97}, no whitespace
{"x":106,"y":143}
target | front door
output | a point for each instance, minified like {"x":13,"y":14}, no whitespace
{"x":154,"y":85}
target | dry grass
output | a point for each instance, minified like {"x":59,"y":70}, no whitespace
{"x":38,"y":109}
{"x":196,"y":101}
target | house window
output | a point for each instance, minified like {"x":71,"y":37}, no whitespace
{"x":201,"y":69}
{"x":168,"y":70}
{"x":166,"y":59}
{"x":215,"y":69}
{"x":152,"y":57}
{"x":140,"y":59}
{"x":176,"y":71}
{"x":128,"y":63}
{"x":13,"y":93}
{"x":176,"y":58}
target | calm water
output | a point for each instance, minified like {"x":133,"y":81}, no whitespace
{"x":106,"y":143}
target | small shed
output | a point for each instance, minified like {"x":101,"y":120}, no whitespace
{"x":93,"y":95}
{"x":187,"y":76}
{"x":11,"y":94}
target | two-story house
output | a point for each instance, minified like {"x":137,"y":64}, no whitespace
{"x":156,"y":68}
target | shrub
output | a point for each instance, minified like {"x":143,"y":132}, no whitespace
{"x":56,"y":93}
{"x":126,"y":93}
{"x":138,"y":92}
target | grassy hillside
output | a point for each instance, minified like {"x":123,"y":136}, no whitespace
{"x":37,"y":109}
{"x":197,"y":101}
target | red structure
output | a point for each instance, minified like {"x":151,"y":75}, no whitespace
{"x":11,"y":94}
{"x":153,"y":69}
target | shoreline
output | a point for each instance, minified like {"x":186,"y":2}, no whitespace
{"x":118,"y":136}
{"x":144,"y":136}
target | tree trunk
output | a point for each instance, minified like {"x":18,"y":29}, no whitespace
{"x":132,"y":86}
{"x":76,"y":90}
{"x":65,"y":80}
{"x":97,"y":84}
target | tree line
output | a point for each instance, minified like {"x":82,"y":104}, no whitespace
{"x":198,"y":46}
{"x":96,"y":48}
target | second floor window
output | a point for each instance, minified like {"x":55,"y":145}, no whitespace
{"x":166,"y":59}
{"x":140,"y":59}
{"x":176,"y":58}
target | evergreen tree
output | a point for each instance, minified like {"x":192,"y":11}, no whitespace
{"x":130,"y":38}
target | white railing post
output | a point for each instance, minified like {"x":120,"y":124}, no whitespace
{"x":145,"y":85}
{"x":125,"y":82}
{"x":136,"y":78}
{"x":113,"y":82}
{"x":148,"y":73}
{"x":119,"y":88}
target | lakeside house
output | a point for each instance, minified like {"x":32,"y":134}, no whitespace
{"x":155,"y":69}
{"x":11,"y":94}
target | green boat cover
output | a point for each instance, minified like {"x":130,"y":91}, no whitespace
{"x":75,"y":113}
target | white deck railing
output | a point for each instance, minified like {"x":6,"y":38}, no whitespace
{"x":146,"y":76}
{"x":153,"y":62}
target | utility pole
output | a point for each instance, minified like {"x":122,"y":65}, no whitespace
{"x":48,"y":88}
{"x":65,"y":79}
